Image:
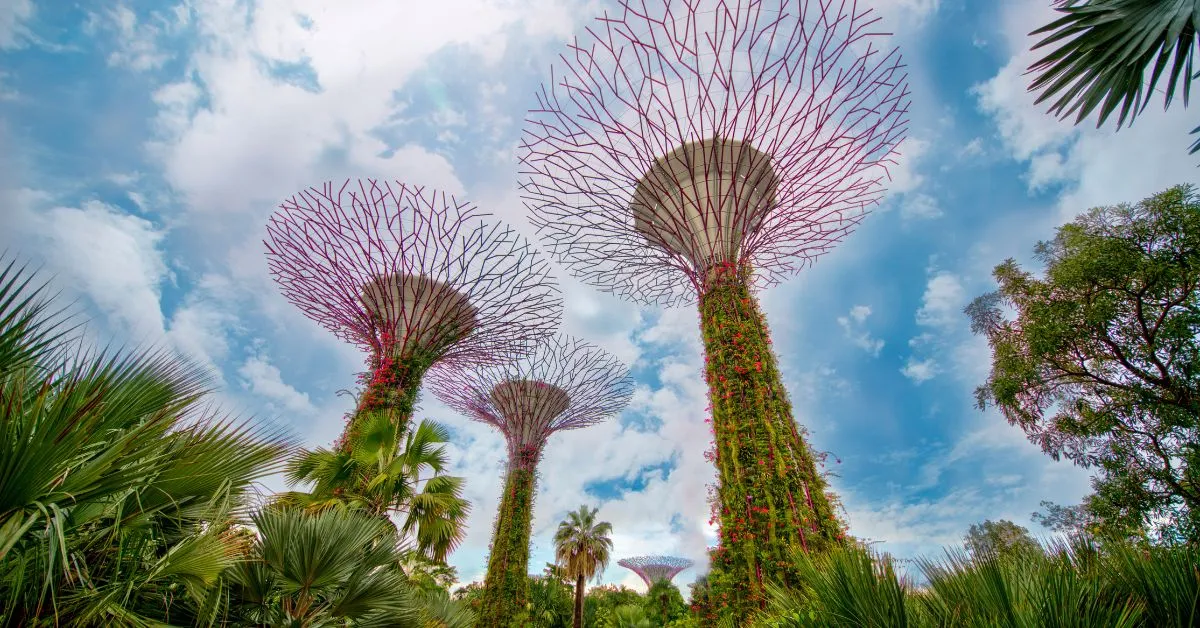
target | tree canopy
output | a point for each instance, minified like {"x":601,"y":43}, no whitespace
{"x":1098,"y":362}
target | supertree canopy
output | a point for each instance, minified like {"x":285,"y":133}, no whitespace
{"x":697,"y":150}
{"x":414,"y":277}
{"x":565,"y":384}
{"x":653,"y":568}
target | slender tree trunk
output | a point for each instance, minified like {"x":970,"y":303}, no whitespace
{"x":578,"y":622}
{"x":506,"y":586}
{"x":771,"y":497}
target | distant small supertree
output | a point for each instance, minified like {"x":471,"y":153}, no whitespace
{"x":697,"y":151}
{"x":565,"y":384}
{"x":414,"y":277}
{"x":653,"y":568}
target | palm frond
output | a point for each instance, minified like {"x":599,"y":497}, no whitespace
{"x":1106,"y":47}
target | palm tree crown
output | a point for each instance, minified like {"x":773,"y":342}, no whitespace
{"x":582,"y":547}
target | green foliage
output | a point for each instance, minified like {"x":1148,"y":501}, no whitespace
{"x":628,"y":616}
{"x":384,"y":475}
{"x":664,"y":603}
{"x":600,"y":602}
{"x":549,"y":603}
{"x":506,"y":586}
{"x":770,"y":496}
{"x":999,"y":537}
{"x":315,"y":568}
{"x":581,"y":547}
{"x":1069,"y":584}
{"x":119,"y":488}
{"x":1101,"y":363}
{"x":848,"y":587}
{"x":1105,"y":48}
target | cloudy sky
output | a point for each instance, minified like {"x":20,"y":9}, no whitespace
{"x":143,"y":145}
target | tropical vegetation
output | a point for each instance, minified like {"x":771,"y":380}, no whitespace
{"x":127,"y":499}
{"x":1098,"y":363}
{"x":582,"y":546}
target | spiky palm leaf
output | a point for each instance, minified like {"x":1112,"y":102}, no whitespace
{"x":375,"y":475}
{"x":1105,"y":48}
{"x":116,"y":491}
{"x":323,"y":568}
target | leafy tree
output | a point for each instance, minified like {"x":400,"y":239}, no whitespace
{"x":375,"y":474}
{"x":1001,"y":537}
{"x":1105,"y":48}
{"x":1070,"y":520}
{"x":664,"y":603}
{"x":119,"y":487}
{"x":1101,"y":362}
{"x":581,"y":547}
{"x":549,"y":604}
{"x":601,"y":600}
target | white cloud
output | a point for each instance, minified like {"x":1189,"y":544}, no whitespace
{"x":974,"y":148}
{"x":13,"y":15}
{"x":262,"y":378}
{"x":919,"y":206}
{"x":852,"y":325}
{"x":905,"y":174}
{"x":920,"y":370}
{"x":112,"y":257}
{"x":1098,"y":166}
{"x":944,"y":299}
{"x":138,"y":47}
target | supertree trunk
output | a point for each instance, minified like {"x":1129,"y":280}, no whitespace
{"x":772,"y":497}
{"x":393,"y":387}
{"x":506,"y":586}
{"x":564,"y":384}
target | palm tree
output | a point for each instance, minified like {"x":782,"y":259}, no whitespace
{"x":119,"y":488}
{"x":581,"y":547}
{"x":1106,"y":48}
{"x":377,"y":475}
{"x":332,"y":567}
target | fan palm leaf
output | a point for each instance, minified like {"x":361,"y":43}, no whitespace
{"x":1103,"y":51}
{"x":375,"y":475}
{"x":115,"y":488}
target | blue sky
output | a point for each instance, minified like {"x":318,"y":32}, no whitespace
{"x":143,"y":145}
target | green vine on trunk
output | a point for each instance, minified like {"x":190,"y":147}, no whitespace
{"x":770,"y":496}
{"x":506,"y":586}
{"x":391,"y":385}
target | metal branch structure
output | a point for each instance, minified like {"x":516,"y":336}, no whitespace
{"x":654,"y":568}
{"x":700,"y":150}
{"x":565,"y":384}
{"x":414,"y":277}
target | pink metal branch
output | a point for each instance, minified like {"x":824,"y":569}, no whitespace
{"x":395,"y":268}
{"x":564,"y":384}
{"x":653,"y":568}
{"x":775,"y":120}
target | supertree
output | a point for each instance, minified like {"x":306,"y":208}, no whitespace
{"x":414,"y":277}
{"x":700,"y":150}
{"x":565,"y":384}
{"x":652,"y":568}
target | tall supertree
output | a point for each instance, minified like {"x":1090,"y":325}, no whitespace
{"x":653,"y":568}
{"x":565,"y":384}
{"x":414,"y":277}
{"x":699,"y":151}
